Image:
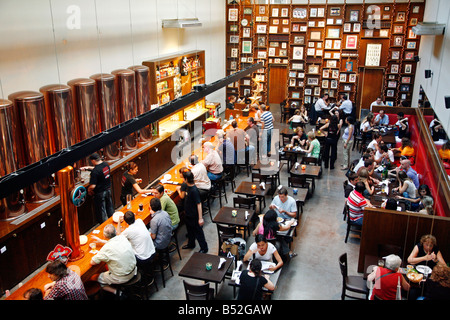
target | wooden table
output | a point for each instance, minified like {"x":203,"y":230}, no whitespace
{"x":195,"y":268}
{"x":224,"y":216}
{"x":271,"y":169}
{"x":310,"y":172}
{"x":245,"y":188}
{"x":295,"y":153}
{"x":274,"y":277}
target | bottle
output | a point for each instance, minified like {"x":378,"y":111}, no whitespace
{"x":385,"y":173}
{"x":231,"y":117}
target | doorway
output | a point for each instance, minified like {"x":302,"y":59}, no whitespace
{"x":371,"y":87}
{"x":277,"y":87}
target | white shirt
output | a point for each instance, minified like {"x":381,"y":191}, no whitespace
{"x":376,"y":104}
{"x":378,"y":155}
{"x":365,"y":126}
{"x":346,"y":106}
{"x":320,"y":105}
{"x":269,"y":253}
{"x":373,"y":144}
{"x":201,"y":178}
{"x":140,"y":239}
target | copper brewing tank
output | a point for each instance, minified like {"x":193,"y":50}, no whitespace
{"x":13,"y":205}
{"x":86,"y":113}
{"x":60,"y":116}
{"x":30,"y":113}
{"x":142,"y":74}
{"x":109,"y":117}
{"x":126,"y":98}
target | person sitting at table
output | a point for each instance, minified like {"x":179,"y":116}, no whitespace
{"x":385,"y":279}
{"x":201,"y":179}
{"x":384,"y":156}
{"x":252,"y":281}
{"x":381,"y":119}
{"x":129,"y":182}
{"x":269,"y":226}
{"x":437,"y":286}
{"x":405,"y":165}
{"x":265,"y":251}
{"x":416,"y":203}
{"x":212,"y":162}
{"x":239,"y":139}
{"x":300,"y":137}
{"x":364,"y":177}
{"x":296,"y":120}
{"x":402,"y":124}
{"x":139,"y":238}
{"x":376,"y":140}
{"x":321,"y":105}
{"x":66,"y":284}
{"x":353,"y":178}
{"x":370,"y":166}
{"x":366,"y":155}
{"x":357,"y":202}
{"x":427,"y":203}
{"x":224,"y":148}
{"x":444,"y":152}
{"x":118,"y":254}
{"x":160,"y":226}
{"x":304,"y":119}
{"x":390,"y":204}
{"x":314,"y":145}
{"x":193,"y":212}
{"x":283,"y":204}
{"x":366,"y":127}
{"x":346,"y":106}
{"x":426,"y":252}
{"x":167,"y":204}
{"x":231,"y":101}
{"x":406,"y":149}
{"x":378,"y":102}
{"x":33,"y":294}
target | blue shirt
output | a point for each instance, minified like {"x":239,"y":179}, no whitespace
{"x":267,"y":118}
{"x":383,"y":121}
{"x":412,"y":174}
{"x":289,"y":205}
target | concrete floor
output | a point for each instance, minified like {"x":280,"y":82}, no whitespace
{"x":314,"y":274}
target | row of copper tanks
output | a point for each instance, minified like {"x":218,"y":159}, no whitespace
{"x":35,"y":125}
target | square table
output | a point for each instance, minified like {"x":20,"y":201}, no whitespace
{"x":311,"y":172}
{"x":272,"y":169}
{"x":224,"y":216}
{"x":245,"y":188}
{"x":195,"y":268}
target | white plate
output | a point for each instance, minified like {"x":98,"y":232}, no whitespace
{"x":83,"y":240}
{"x":167,"y":177}
{"x":116,"y":216}
{"x":423,"y":269}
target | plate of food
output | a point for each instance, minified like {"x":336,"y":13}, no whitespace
{"x":280,"y":219}
{"x":414,"y":276}
{"x":83,"y":239}
{"x":116,"y":216}
{"x":423,"y":269}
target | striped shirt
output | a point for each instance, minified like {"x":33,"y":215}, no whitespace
{"x":267,"y":118}
{"x":356,"y":203}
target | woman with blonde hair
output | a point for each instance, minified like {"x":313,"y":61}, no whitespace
{"x":364,"y":177}
{"x":426,"y":252}
{"x":314,"y":145}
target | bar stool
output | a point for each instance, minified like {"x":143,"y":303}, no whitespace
{"x":148,"y":278}
{"x":134,"y":287}
{"x":161,"y":256}
{"x":218,"y":189}
{"x":174,"y":244}
{"x":93,"y":290}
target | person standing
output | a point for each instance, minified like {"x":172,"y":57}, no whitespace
{"x":330,"y":151}
{"x":193,"y":212}
{"x":267,"y":127}
{"x":347,"y":138}
{"x":129,"y":182}
{"x":100,"y":187}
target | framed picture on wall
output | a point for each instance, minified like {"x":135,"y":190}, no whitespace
{"x":313,"y":69}
{"x":297,"y":66}
{"x":354,"y":15}
{"x":234,"y":39}
{"x":275,"y":12}
{"x":325,"y":84}
{"x":395,"y":55}
{"x":408,"y":68}
{"x":246,"y":32}
{"x":246,"y":46}
{"x":335,"y":11}
{"x":299,"y":13}
{"x":333,"y":84}
{"x":352,"y":77}
{"x":308,"y":91}
{"x":261,"y":28}
{"x":411,"y":45}
{"x":394,"y":68}
{"x":406,"y":79}
{"x":356,"y":27}
{"x":398,"y":41}
{"x":400,"y":16}
{"x":334,"y":33}
{"x":317,"y":91}
{"x":390,"y":93}
{"x":233,"y":14}
{"x":349,"y":66}
{"x":347,"y":27}
{"x":297,"y":53}
{"x":313,"y":81}
{"x":409,"y":55}
{"x":234,"y":52}
{"x":351,"y":42}
{"x":299,"y":40}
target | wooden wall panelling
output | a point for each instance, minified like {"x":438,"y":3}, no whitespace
{"x":402,"y":229}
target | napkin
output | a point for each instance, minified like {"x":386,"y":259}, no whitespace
{"x":246,"y":215}
{"x":238,"y":265}
{"x":262,"y":185}
{"x":296,"y":165}
{"x":221,"y":262}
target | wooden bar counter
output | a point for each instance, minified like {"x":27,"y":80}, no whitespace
{"x":82,"y":266}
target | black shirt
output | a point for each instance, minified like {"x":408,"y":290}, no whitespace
{"x":251,"y":287}
{"x":100,"y":177}
{"x":127,"y":184}
{"x":191,"y":200}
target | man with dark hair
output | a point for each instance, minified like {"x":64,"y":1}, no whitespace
{"x":167,"y":204}
{"x":139,"y":238}
{"x":66,"y":285}
{"x":100,"y":187}
{"x":284,"y":205}
{"x":402,"y":124}
{"x":356,"y":203}
{"x":350,"y":185}
{"x":160,"y":225}
{"x":193,"y":212}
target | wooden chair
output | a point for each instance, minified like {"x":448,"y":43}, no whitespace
{"x":198,"y":291}
{"x":357,"y":137}
{"x":229,"y":173}
{"x":356,"y":284}
{"x":299,"y":182}
{"x":351,"y":226}
{"x":246,"y":203}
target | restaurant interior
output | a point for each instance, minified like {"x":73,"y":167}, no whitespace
{"x":144,"y":82}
